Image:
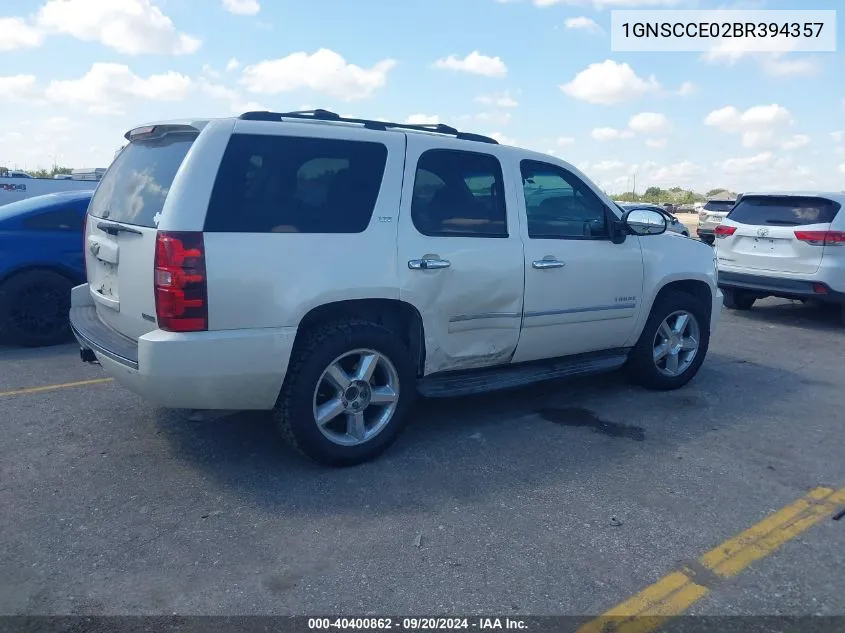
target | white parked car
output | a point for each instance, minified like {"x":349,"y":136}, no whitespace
{"x":330,"y":269}
{"x":789,"y":245}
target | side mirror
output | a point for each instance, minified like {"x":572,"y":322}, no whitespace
{"x":644,"y":222}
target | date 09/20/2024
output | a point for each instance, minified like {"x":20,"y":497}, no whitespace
{"x":415,"y":624}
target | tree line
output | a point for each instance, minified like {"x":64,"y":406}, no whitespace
{"x":674,"y":195}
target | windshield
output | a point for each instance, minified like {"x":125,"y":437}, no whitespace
{"x":719,"y":206}
{"x":135,"y":187}
{"x":784,"y":211}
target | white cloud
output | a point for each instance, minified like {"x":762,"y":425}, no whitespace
{"x":649,"y":123}
{"x":474,"y":63}
{"x":687,"y":89}
{"x":106,"y":88}
{"x":423,"y":119}
{"x":18,"y":88}
{"x":656,"y":143}
{"x":610,"y":134}
{"x":607,"y":165}
{"x":500,"y":100}
{"x":132,"y":27}
{"x":747,"y":164}
{"x":242,"y":7}
{"x":776,"y":65}
{"x":609,"y":83}
{"x":838,"y":136}
{"x":324,"y":71}
{"x":501,"y":138}
{"x":15,"y":33}
{"x":564,"y":141}
{"x":842,"y":168}
{"x":676,"y":173}
{"x":757,"y":125}
{"x":232,"y":64}
{"x":797,"y":141}
{"x":210,"y":72}
{"x":583,"y":23}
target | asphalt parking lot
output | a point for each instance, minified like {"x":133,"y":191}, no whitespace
{"x":564,"y":498}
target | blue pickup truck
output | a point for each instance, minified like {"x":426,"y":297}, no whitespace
{"x":41,"y":259}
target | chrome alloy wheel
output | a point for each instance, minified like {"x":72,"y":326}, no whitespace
{"x":356,"y":397}
{"x":676,"y":343}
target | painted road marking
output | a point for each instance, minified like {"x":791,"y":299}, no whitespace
{"x":675,"y":593}
{"x":67,"y":385}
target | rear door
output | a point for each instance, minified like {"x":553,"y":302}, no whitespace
{"x":460,"y":252}
{"x":121,"y":229}
{"x":767,"y":232}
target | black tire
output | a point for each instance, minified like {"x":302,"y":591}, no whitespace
{"x":34,"y":308}
{"x":737,"y":299}
{"x":641,"y":366}
{"x":312,"y":354}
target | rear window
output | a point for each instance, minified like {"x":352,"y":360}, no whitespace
{"x":136,"y":185}
{"x":286,"y":184}
{"x":722,"y":206}
{"x":784,"y":211}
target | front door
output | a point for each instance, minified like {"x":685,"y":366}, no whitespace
{"x":460,"y":253}
{"x":582,"y":291}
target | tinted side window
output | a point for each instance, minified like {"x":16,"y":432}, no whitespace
{"x":559,"y":205}
{"x":459,"y":194}
{"x":287,"y":184}
{"x":783,"y":211}
{"x":67,"y":219}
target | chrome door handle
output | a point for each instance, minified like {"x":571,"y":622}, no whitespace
{"x":428,"y":264}
{"x":543,"y":264}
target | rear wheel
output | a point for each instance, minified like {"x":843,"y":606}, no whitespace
{"x":673,"y":343}
{"x":347,"y":392}
{"x":34,"y":308}
{"x":737,"y":299}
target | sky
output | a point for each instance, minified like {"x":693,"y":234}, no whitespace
{"x":540,"y":74}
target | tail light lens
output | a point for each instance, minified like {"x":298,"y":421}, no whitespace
{"x":724,"y":231}
{"x":85,"y":244}
{"x":181,"y":292}
{"x":821,"y":238}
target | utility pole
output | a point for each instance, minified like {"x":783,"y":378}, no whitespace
{"x":634,"y":190}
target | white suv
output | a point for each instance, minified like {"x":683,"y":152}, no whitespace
{"x":329,"y":269}
{"x":789,"y":245}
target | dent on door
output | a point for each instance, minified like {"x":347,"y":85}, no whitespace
{"x":458,"y":335}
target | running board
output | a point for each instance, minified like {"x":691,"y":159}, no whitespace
{"x":475,"y":381}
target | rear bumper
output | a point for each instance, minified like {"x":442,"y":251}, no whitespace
{"x":779,"y":287}
{"x":224,"y":370}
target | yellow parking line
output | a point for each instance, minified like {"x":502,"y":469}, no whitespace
{"x":67,"y":385}
{"x":676,"y":592}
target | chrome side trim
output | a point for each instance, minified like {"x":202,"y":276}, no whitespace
{"x":486,"y":315}
{"x":615,"y":306}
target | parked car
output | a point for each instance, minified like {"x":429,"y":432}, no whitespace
{"x":710,"y":216}
{"x":789,"y":245}
{"x":330,"y":269}
{"x":40,"y":261}
{"x":672,"y":222}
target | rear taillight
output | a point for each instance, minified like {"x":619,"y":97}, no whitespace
{"x":724,"y":231}
{"x":85,"y":244}
{"x":181,"y":292}
{"x":821,"y":238}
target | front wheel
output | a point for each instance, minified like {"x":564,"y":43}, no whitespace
{"x":347,"y":392}
{"x":673,"y":343}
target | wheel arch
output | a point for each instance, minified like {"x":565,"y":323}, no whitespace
{"x":68,"y":274}
{"x":400,"y":317}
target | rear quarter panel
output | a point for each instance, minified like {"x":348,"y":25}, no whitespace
{"x":271,"y":280}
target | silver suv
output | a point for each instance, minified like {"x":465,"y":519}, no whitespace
{"x":711,"y":216}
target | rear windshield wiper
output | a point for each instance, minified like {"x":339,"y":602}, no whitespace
{"x":783,"y":222}
{"x":114,"y":229}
